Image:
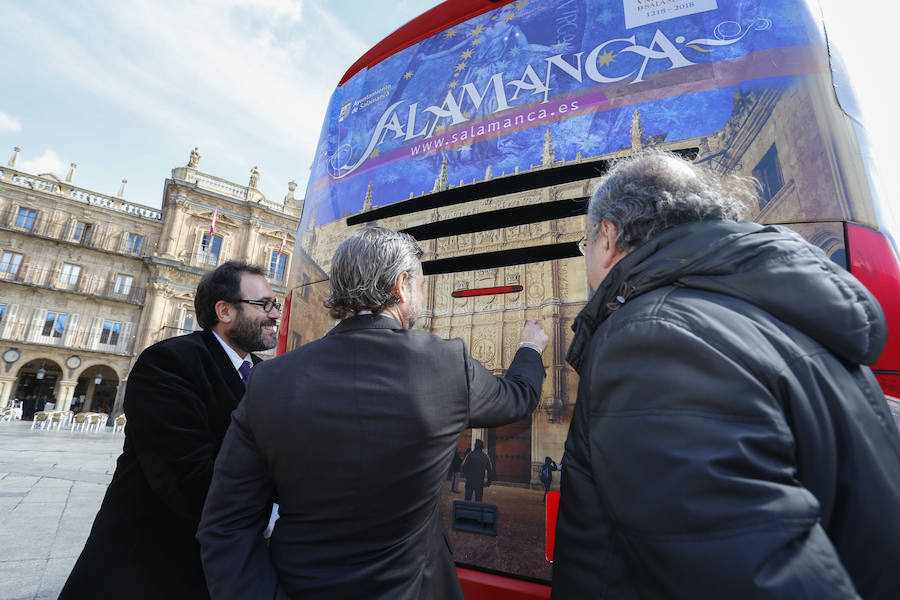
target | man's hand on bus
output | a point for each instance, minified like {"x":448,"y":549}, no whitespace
{"x":533,"y":336}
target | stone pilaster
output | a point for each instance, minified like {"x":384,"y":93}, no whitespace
{"x":66,"y":393}
{"x":6,"y":390}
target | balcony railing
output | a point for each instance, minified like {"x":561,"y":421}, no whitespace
{"x":52,"y":186}
{"x":224,"y":187}
{"x":97,"y":286}
{"x":25,"y":331}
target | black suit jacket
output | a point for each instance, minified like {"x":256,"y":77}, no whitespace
{"x":180,"y":395}
{"x":355,"y":432}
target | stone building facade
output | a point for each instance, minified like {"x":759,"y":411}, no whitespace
{"x":87,"y":281}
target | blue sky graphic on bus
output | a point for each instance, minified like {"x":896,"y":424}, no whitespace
{"x":485,"y":93}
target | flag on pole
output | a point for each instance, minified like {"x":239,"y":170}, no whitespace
{"x":212,"y":225}
{"x":283,"y":240}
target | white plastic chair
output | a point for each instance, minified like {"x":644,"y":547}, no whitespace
{"x":41,"y":418}
{"x":80,"y":421}
{"x":60,"y":418}
{"x":96,"y":421}
{"x":119,"y":423}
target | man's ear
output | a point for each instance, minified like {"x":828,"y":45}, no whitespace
{"x":225,"y":311}
{"x":401,"y":289}
{"x":608,"y":235}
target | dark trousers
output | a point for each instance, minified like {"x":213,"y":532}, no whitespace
{"x":478,"y":489}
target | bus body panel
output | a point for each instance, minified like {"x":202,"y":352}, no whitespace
{"x":534,"y":87}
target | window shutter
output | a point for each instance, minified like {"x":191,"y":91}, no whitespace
{"x":8,"y":326}
{"x":37,"y":323}
{"x":96,"y":328}
{"x":70,"y":337}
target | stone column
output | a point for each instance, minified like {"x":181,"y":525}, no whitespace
{"x":152,"y":316}
{"x":253,"y":242}
{"x":172,"y":229}
{"x":6,"y":390}
{"x":478,"y":434}
{"x":118,"y":407}
{"x":66,"y":393}
{"x":89,"y":395}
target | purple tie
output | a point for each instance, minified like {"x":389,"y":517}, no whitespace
{"x":244,"y":370}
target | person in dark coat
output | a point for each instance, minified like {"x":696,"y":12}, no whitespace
{"x":180,"y":395}
{"x":389,"y":403}
{"x":728,"y":440}
{"x":479,"y":472}
{"x":546,"y":475}
{"x":455,"y":468}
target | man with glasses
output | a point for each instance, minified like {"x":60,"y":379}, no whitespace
{"x":180,"y":395}
{"x":728,"y":439}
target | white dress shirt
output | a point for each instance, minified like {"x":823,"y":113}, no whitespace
{"x":236,"y":359}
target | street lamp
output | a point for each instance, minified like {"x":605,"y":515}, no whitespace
{"x":41,"y":372}
{"x":98,"y":379}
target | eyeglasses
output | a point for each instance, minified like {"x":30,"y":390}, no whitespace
{"x":267,"y":305}
{"x":582,"y":245}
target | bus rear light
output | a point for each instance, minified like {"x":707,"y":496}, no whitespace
{"x":501,"y":289}
{"x":872,"y":260}
{"x":890,"y":383}
{"x":284,"y":326}
{"x":552,"y":512}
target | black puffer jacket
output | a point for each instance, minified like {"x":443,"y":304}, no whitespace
{"x":726,"y":443}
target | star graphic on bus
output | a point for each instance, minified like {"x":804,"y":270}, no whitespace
{"x":605,"y":59}
{"x":450,"y":33}
{"x":520,"y":4}
{"x":510,"y":17}
{"x":375,"y":153}
{"x":466,"y":55}
{"x":476,"y":41}
{"x":477,"y":31}
{"x":461,"y":66}
{"x":407,"y":75}
{"x":452,"y":84}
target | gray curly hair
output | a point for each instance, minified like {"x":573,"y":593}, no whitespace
{"x":654,"y":190}
{"x":365,"y":268}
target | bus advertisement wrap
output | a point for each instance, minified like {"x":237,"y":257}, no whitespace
{"x":491,"y":90}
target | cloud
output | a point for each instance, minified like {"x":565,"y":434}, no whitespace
{"x":48,"y":162}
{"x":8,"y":123}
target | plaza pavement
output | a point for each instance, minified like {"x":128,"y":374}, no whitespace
{"x":51,"y":485}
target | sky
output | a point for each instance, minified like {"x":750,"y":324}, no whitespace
{"x":127,"y":89}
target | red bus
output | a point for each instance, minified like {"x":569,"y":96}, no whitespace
{"x":481,"y":128}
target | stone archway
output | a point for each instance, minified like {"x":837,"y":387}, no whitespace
{"x":96,"y":390}
{"x":36,"y":385}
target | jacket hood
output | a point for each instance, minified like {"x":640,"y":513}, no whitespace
{"x":771,"y":267}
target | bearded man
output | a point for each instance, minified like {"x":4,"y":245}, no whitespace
{"x":358,"y":445}
{"x":180,"y":395}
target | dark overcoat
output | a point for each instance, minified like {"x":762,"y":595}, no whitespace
{"x":356,"y":432}
{"x":728,"y":440}
{"x":178,"y":401}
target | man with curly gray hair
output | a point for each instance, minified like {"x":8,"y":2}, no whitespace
{"x":728,"y":440}
{"x":356,"y":432}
